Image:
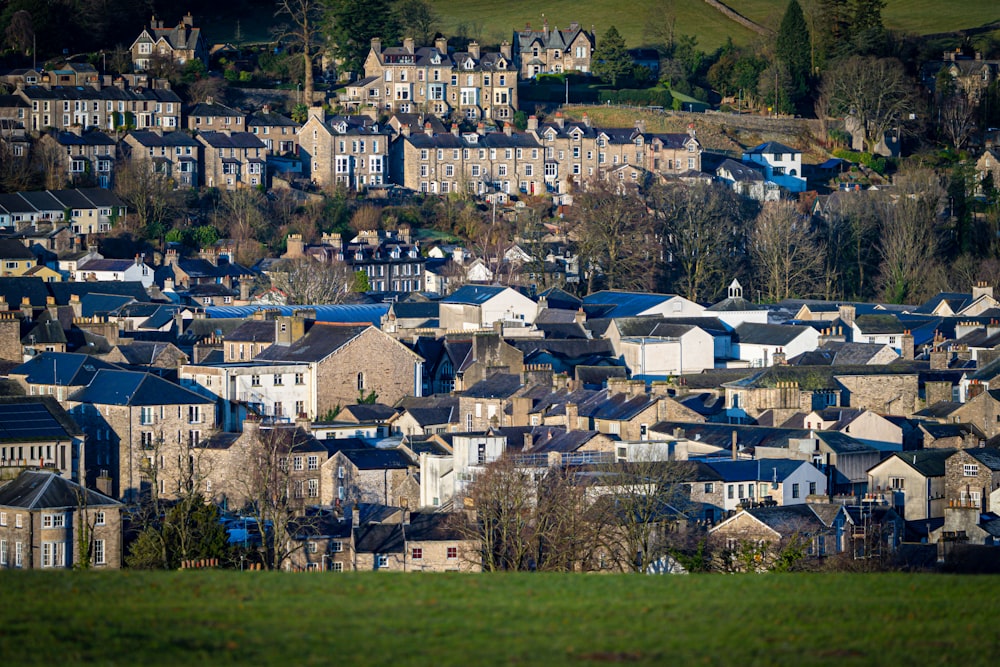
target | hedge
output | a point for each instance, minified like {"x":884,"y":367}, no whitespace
{"x":639,"y":97}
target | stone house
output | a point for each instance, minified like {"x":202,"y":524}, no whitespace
{"x":950,"y":435}
{"x":180,"y":43}
{"x":474,"y":162}
{"x":912,"y":482}
{"x":57,"y":374}
{"x":352,"y":151}
{"x":421,"y":542}
{"x":174,"y":154}
{"x":349,"y":361}
{"x":211,"y":116}
{"x":552,"y":51}
{"x":780,"y":482}
{"x":752,"y":539}
{"x":232,"y":159}
{"x":472,"y":84}
{"x":139,"y":429}
{"x":371,"y":475}
{"x":279,"y":133}
{"x":390,"y":261}
{"x":36,"y":432}
{"x":982,"y":410}
{"x":42,"y":516}
{"x":971,"y":476}
{"x":326,"y":541}
{"x":87,"y":158}
{"x":104,"y":107}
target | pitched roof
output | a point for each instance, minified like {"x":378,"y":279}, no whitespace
{"x":61,"y":368}
{"x":372,"y":458}
{"x":757,"y":470}
{"x":35,"y":490}
{"x":928,"y":462}
{"x":27,"y":418}
{"x":318,"y":343}
{"x":751,"y":333}
{"x":117,"y":387}
{"x":474,"y":294}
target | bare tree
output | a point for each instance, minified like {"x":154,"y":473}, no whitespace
{"x":909,"y":272}
{"x":703,"y":232}
{"x":366,"y":218}
{"x":214,"y":87}
{"x":20,"y":32}
{"x":643,"y":506}
{"x":876,"y":92}
{"x":419,"y":20}
{"x":272,"y":491}
{"x":241,"y":214}
{"x":305,"y":31}
{"x":615,"y":236}
{"x":146,"y":191}
{"x":784,"y":251}
{"x":15,"y":170}
{"x":958,"y":116}
{"x":49,"y":160}
{"x":308,"y":281}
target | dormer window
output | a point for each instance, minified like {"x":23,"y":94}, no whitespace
{"x":469,"y":64}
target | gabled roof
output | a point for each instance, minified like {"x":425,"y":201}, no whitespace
{"x":988,"y":456}
{"x":37,"y":490}
{"x":500,"y":385}
{"x":760,"y":470}
{"x":474,"y":294}
{"x":626,"y":304}
{"x":61,"y":368}
{"x":116,"y":387}
{"x":752,"y":333}
{"x":30,"y":418}
{"x":928,"y":462}
{"x":372,"y":458}
{"x":772,"y":147}
{"x":321,"y":341}
{"x":393,"y":537}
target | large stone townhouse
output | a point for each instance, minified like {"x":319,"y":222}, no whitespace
{"x":476,"y":162}
{"x":180,"y":43}
{"x":391,"y":262}
{"x":105,"y":107}
{"x":279,"y":133}
{"x":211,"y":115}
{"x":35,"y":431}
{"x":87,"y":158}
{"x":139,"y":430}
{"x":232,"y":159}
{"x":47,"y":521}
{"x":352,"y":151}
{"x":429,"y":79}
{"x":174,"y":154}
{"x":552,"y":51}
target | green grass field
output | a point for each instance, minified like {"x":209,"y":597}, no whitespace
{"x":220,"y":618}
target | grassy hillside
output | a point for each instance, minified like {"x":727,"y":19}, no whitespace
{"x":406,"y":619}
{"x":497,"y":21}
{"x":917,"y":16}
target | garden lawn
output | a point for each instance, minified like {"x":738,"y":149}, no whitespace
{"x":254,"y":618}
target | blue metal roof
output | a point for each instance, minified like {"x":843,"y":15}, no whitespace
{"x":627,"y":304}
{"x":326,"y":313}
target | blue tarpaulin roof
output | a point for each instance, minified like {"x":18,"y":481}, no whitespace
{"x":326,"y":313}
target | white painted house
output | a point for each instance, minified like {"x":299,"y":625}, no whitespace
{"x":782,"y":481}
{"x":115,"y":270}
{"x":674,"y":349}
{"x":758,"y":343}
{"x":781,"y":164}
{"x":635,"y":304}
{"x":480,"y":306}
{"x":734,"y":310}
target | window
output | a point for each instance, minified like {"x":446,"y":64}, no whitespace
{"x":300,"y":378}
{"x":3,"y":518}
{"x":312,"y":488}
{"x":795,"y":490}
{"x":970,"y":470}
{"x":361,"y":381}
{"x":53,"y":520}
{"x":99,"y":555}
{"x":297,"y":463}
{"x":417,"y":553}
{"x":3,"y":552}
{"x":17,"y":520}
{"x":897,"y":483}
{"x":452,"y":553}
{"x":300,"y":408}
{"x":729,"y":492}
{"x":146,"y":416}
{"x":812,"y":488}
{"x":336,"y":547}
{"x":194,"y":414}
{"x":18,"y":554}
{"x":382,"y":561}
{"x":709,"y":487}
{"x":338,"y":567}
{"x":312,"y":462}
{"x":340,"y":472}
{"x":279,"y":379}
{"x":313,"y":547}
{"x":254,"y":380}
{"x":53,"y":554}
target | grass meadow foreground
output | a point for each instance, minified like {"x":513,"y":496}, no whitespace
{"x":218,"y":618}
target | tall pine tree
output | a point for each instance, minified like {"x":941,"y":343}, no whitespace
{"x":611,"y":61}
{"x":793,"y":50}
{"x":867,"y":31}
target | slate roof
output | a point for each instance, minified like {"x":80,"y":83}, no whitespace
{"x":879,"y":324}
{"x":11,"y":249}
{"x":988,"y":456}
{"x":756,"y":470}
{"x":950,"y":430}
{"x":174,"y":139}
{"x":318,"y":343}
{"x":626,"y":304}
{"x":15,"y":289}
{"x":240,"y":140}
{"x":29,"y":418}
{"x":118,"y":387}
{"x":63,"y":291}
{"x":740,"y":171}
{"x":393,"y":537}
{"x":61,"y":368}
{"x":500,"y":385}
{"x":557,"y":439}
{"x":370,"y":412}
{"x":377,"y":459}
{"x":37,"y":490}
{"x":721,"y":435}
{"x":928,"y":462}
{"x":429,"y":416}
{"x":750,"y":333}
{"x":772,"y":147}
{"x":789,"y":519}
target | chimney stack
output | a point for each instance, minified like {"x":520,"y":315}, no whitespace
{"x":572,"y":416}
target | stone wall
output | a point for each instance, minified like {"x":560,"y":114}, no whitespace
{"x":957,"y":483}
{"x":884,"y":394}
{"x":384,"y":365}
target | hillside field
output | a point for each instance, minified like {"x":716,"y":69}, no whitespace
{"x":254,"y":618}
